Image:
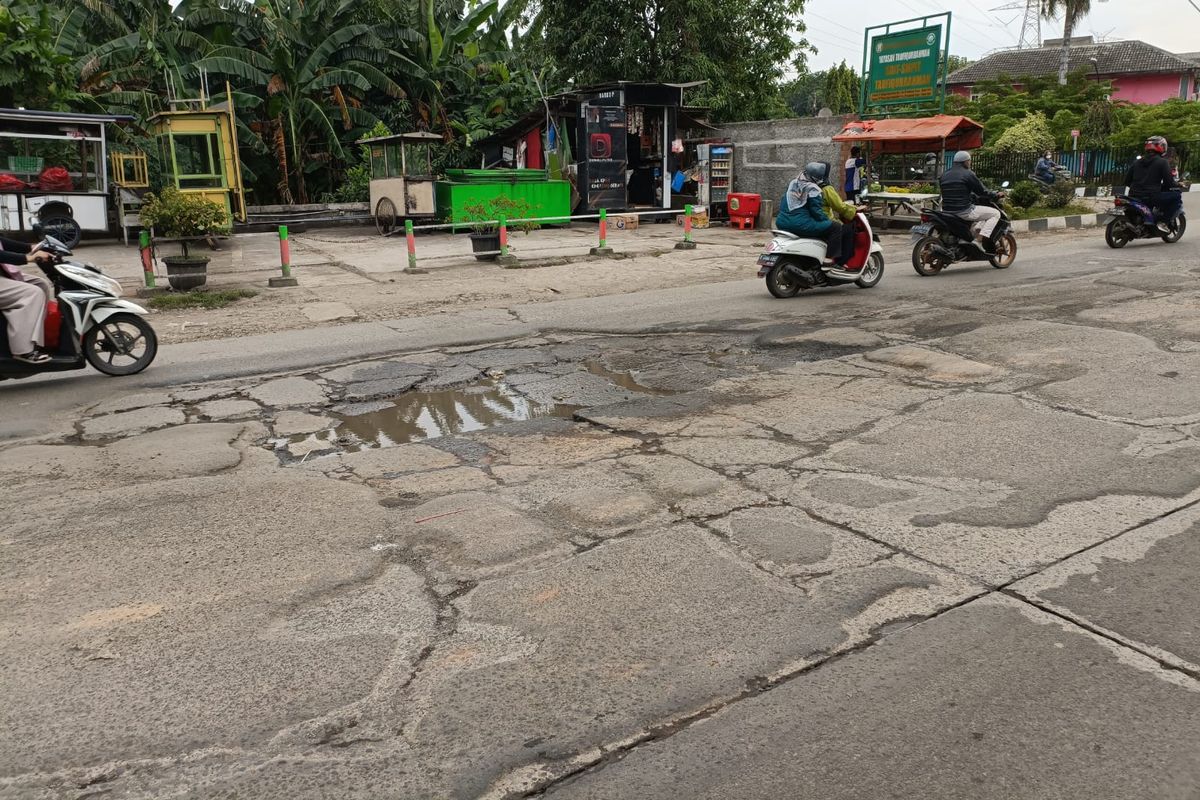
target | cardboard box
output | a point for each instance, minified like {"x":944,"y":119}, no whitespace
{"x":699,"y":220}
{"x":623,"y":222}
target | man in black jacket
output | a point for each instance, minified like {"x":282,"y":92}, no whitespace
{"x":960,"y":187}
{"x":1149,"y":179}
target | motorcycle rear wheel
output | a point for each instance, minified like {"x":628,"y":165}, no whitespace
{"x":1006,"y":252}
{"x":924,"y":260}
{"x":1117,"y":235}
{"x":125,"y":335}
{"x":780,"y":284}
{"x":1177,"y":234}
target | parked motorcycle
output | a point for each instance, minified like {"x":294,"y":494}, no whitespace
{"x":1133,"y":219}
{"x":943,"y":239}
{"x":86,"y":323}
{"x":792,"y":264}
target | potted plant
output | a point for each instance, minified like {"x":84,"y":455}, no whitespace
{"x":484,"y":217}
{"x":184,"y":217}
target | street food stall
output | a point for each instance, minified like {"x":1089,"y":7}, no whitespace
{"x":905,"y":152}
{"x":401,"y":177}
{"x":53,"y":176}
{"x":620,"y":144}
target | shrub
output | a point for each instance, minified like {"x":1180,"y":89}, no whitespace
{"x":176,"y":214}
{"x":481,"y":215}
{"x":1058,"y":195}
{"x":1030,"y":135}
{"x":1025,"y":194}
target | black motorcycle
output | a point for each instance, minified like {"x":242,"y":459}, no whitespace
{"x":943,"y":239}
{"x":1133,"y":219}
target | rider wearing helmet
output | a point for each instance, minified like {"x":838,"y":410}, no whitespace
{"x":1150,"y":180}
{"x":802,"y":210}
{"x":960,"y":188}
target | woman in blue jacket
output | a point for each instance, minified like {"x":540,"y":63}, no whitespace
{"x":802,"y":211}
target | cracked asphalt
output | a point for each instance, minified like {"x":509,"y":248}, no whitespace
{"x":935,"y":540}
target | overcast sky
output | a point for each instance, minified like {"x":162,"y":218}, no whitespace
{"x":835,"y":27}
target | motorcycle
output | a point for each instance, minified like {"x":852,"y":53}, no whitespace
{"x":1133,"y":219}
{"x":86,"y":323}
{"x":1061,"y":175}
{"x":792,"y":264}
{"x":943,"y":239}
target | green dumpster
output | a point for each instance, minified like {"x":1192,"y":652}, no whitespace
{"x":463,"y":187}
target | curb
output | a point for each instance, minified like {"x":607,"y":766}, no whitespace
{"x":1109,"y":191}
{"x":1059,"y":223}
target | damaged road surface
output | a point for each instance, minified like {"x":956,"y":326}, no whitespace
{"x":936,"y":545}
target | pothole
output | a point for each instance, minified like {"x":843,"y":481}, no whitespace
{"x":419,"y":415}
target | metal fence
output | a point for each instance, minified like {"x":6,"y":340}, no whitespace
{"x":1095,"y":167}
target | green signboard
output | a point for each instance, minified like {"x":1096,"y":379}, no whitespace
{"x":904,"y":67}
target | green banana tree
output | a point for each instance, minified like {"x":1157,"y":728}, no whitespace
{"x":310,"y":66}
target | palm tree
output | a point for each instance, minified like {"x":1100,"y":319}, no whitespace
{"x":1073,"y":11}
{"x":305,"y":65}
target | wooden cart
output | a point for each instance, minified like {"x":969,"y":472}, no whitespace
{"x":401,"y":178}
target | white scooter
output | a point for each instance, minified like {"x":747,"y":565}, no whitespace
{"x":87,"y":323}
{"x":792,"y":264}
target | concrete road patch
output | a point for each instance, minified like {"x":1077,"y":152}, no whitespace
{"x":626,"y":637}
{"x":992,"y":700}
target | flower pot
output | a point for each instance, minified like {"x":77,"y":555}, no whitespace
{"x":486,"y":246}
{"x":185,"y":273}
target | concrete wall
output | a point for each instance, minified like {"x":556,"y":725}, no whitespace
{"x":768,"y":154}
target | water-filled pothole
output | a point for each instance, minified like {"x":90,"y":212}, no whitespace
{"x":418,"y":415}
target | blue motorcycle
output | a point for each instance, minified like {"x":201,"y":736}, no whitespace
{"x":1133,"y":219}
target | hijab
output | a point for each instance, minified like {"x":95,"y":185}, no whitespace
{"x":800,"y":190}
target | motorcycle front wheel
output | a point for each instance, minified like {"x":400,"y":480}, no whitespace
{"x":124,"y":344}
{"x":924,"y":259}
{"x":780,"y":284}
{"x":872,"y":272}
{"x":1176,"y":234}
{"x":1116,"y":234}
{"x":1006,"y":252}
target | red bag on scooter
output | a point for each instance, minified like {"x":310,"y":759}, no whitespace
{"x":11,"y":183}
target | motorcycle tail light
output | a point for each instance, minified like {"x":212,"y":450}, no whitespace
{"x":925,"y":218}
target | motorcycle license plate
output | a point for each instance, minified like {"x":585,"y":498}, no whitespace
{"x":767,"y":260}
{"x":919,"y":231}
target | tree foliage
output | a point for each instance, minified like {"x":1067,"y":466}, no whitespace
{"x":1005,"y":101}
{"x":741,"y":49}
{"x":1073,"y":12}
{"x":1178,"y":120}
{"x":1030,"y":135}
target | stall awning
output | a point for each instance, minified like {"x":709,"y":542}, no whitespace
{"x":924,"y":134}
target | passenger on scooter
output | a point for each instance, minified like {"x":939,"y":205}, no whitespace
{"x":1150,"y":179}
{"x":1044,"y":171}
{"x":802,"y":211}
{"x":960,"y":188}
{"x":23,"y":300}
{"x":843,"y":212}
